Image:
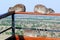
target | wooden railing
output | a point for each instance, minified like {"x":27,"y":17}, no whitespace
{"x":12,"y":17}
{"x":28,"y":13}
{"x":33,"y":13}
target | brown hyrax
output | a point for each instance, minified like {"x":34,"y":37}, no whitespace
{"x":39,"y":8}
{"x":17,"y":8}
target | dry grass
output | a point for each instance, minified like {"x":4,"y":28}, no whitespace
{"x":4,"y":36}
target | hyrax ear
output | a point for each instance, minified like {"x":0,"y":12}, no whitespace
{"x":24,"y":8}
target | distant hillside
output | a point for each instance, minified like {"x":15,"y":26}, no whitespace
{"x":31,"y":21}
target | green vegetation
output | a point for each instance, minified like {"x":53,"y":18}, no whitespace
{"x":31,"y":23}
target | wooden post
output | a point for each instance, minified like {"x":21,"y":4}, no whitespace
{"x":13,"y":25}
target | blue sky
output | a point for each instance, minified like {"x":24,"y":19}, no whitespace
{"x":5,"y":4}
